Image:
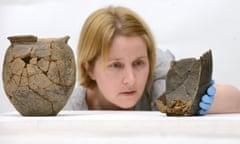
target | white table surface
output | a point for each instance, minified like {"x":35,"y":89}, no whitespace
{"x":119,"y":127}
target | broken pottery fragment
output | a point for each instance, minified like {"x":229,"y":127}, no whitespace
{"x":38,"y":74}
{"x":187,"y":81}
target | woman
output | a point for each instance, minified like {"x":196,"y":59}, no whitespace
{"x":120,"y":68}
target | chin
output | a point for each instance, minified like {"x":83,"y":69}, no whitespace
{"x":128,"y":106}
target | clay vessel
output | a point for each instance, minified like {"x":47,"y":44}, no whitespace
{"x":38,"y":74}
{"x":186,"y":82}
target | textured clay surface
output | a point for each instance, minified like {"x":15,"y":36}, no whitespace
{"x":38,"y":74}
{"x":187,"y":81}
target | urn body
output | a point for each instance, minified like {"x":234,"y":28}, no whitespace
{"x":39,"y":74}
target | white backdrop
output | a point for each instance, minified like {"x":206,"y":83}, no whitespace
{"x":188,"y":28}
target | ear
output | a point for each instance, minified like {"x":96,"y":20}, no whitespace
{"x":89,"y":70}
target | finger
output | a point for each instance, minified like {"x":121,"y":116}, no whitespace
{"x":211,"y":91}
{"x":207,"y":99}
{"x":202,"y":112}
{"x":204,"y":106}
{"x":212,"y":82}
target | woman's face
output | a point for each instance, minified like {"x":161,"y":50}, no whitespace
{"x":121,"y":81}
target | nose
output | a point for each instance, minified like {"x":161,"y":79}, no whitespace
{"x":129,"y":77}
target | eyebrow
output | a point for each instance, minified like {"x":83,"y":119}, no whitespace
{"x":118,"y":59}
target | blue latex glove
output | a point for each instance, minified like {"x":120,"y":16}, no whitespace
{"x":207,"y":99}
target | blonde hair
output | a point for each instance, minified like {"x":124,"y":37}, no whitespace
{"x":97,"y":35}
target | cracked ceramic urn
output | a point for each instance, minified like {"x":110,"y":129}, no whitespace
{"x":39,"y":74}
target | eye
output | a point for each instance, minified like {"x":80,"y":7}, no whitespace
{"x":116,"y":65}
{"x":139,"y":63}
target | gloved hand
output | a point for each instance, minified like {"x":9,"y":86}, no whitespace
{"x":207,"y":99}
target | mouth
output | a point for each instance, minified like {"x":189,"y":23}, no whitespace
{"x":129,"y":93}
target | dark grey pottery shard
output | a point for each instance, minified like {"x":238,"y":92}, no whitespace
{"x":187,"y":81}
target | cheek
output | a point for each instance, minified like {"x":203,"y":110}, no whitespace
{"x":142,"y":75}
{"x":106,"y":81}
